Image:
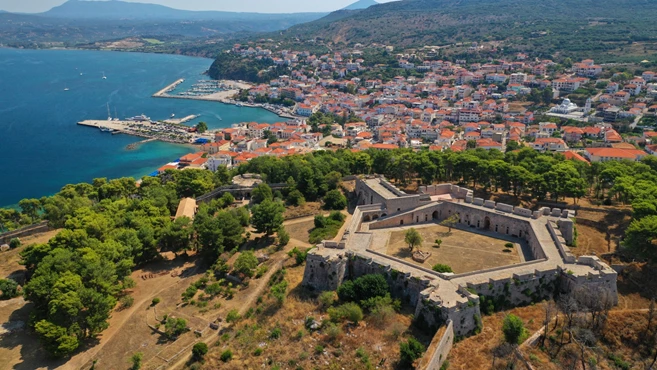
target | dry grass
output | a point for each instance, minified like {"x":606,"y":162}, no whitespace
{"x":308,"y":208}
{"x":461,"y":250}
{"x":311,"y":349}
{"x":300,"y":230}
{"x":476,"y":352}
{"x":9,"y":266}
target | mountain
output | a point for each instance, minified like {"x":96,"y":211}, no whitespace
{"x":546,"y":26}
{"x":361,"y":4}
{"x":83,"y":9}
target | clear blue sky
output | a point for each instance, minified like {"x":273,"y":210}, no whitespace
{"x":260,"y":6}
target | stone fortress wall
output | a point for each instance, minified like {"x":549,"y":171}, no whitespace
{"x":455,"y":299}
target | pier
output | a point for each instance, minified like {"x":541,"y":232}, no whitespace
{"x":166,"y":132}
{"x":169,"y":88}
{"x":180,"y":121}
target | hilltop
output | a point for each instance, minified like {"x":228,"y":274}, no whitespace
{"x":547,"y":26}
{"x":361,"y":4}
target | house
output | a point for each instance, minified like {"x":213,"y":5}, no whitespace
{"x":572,"y":134}
{"x":551,"y":144}
{"x":614,"y":154}
{"x":190,"y":159}
{"x":488,"y":144}
{"x":223,"y":158}
{"x":574,"y":156}
{"x":186,"y":208}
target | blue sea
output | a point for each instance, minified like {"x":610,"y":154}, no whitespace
{"x":41,"y":146}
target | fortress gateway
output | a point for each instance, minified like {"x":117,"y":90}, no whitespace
{"x":452,"y":301}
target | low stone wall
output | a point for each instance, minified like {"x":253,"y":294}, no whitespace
{"x":560,"y":242}
{"x":438,"y":349}
{"x":41,"y":227}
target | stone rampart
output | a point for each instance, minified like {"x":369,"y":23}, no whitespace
{"x":324,"y":272}
{"x":560,"y":242}
{"x":517,"y":290}
{"x":439,"y":348}
{"x":41,"y":227}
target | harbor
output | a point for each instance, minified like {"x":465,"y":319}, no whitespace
{"x":166,"y":132}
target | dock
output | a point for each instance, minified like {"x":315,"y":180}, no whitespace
{"x":166,"y":132}
{"x":180,"y":121}
{"x":169,"y":88}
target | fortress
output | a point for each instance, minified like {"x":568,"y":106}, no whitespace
{"x":452,"y":302}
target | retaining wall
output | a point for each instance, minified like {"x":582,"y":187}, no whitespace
{"x":41,"y":227}
{"x":439,"y":348}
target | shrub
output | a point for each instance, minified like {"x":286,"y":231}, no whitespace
{"x":513,"y":329}
{"x":261,"y":271}
{"x":441,"y":268}
{"x":136,"y":360}
{"x":363,"y":288}
{"x":278,"y":291}
{"x":275,"y":333}
{"x":410,"y":351}
{"x":283,"y":237}
{"x":199,"y":350}
{"x":326,"y":299}
{"x":246,"y":263}
{"x":350,"y":311}
{"x":508,"y":245}
{"x":155,"y":301}
{"x":320,"y":222}
{"x":332,"y":331}
{"x":14,"y":243}
{"x":233,"y":316}
{"x":299,"y":255}
{"x":226,"y":355}
{"x":9,"y":289}
{"x":127,"y":301}
{"x":258,"y":351}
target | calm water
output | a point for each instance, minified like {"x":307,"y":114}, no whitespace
{"x":42,"y":148}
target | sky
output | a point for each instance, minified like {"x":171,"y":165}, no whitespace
{"x":260,"y":6}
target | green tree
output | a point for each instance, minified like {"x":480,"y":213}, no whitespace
{"x":261,"y":193}
{"x":14,"y":243}
{"x":641,"y":237}
{"x":409,"y":352}
{"x":199,"y":351}
{"x":296,"y":198}
{"x":513,"y":329}
{"x":335,"y":200}
{"x":201,"y":127}
{"x":450,"y":222}
{"x":283,"y":237}
{"x":30,"y":207}
{"x":268,"y":217}
{"x":174,"y":327}
{"x":246,"y":263}
{"x":364,"y":288}
{"x":177,"y":236}
{"x":412,"y":238}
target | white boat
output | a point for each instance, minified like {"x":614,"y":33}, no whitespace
{"x":140,"y":118}
{"x":66,"y":89}
{"x":104,"y":77}
{"x":173,"y":115}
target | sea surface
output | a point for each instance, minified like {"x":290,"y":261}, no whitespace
{"x":41,"y":146}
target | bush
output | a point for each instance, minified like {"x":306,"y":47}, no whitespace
{"x":296,"y":198}
{"x":9,"y":289}
{"x":299,"y":255}
{"x":279,"y":291}
{"x":508,"y":245}
{"x":326,"y":299}
{"x":258,"y":351}
{"x":275,"y":333}
{"x":246,"y":263}
{"x":14,"y":243}
{"x":513,"y":329}
{"x":410,"y":351}
{"x":350,"y":311}
{"x":226,"y":355}
{"x":283,"y":237}
{"x":127,"y":301}
{"x":335,"y":200}
{"x":441,"y":268}
{"x":136,"y":360}
{"x":199,"y":351}
{"x":319,"y":349}
{"x":233,"y":316}
{"x":332,"y":331}
{"x":155,"y":301}
{"x":363,"y":288}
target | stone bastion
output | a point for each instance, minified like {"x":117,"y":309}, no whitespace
{"x":447,"y":300}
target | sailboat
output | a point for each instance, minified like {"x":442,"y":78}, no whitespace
{"x":66,"y":88}
{"x":104,"y":77}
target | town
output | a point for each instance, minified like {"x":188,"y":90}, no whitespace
{"x":585,"y":111}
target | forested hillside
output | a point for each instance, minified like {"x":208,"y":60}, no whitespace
{"x":547,"y":26}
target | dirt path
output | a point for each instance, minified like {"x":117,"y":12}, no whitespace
{"x":247,"y":303}
{"x":118,"y":320}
